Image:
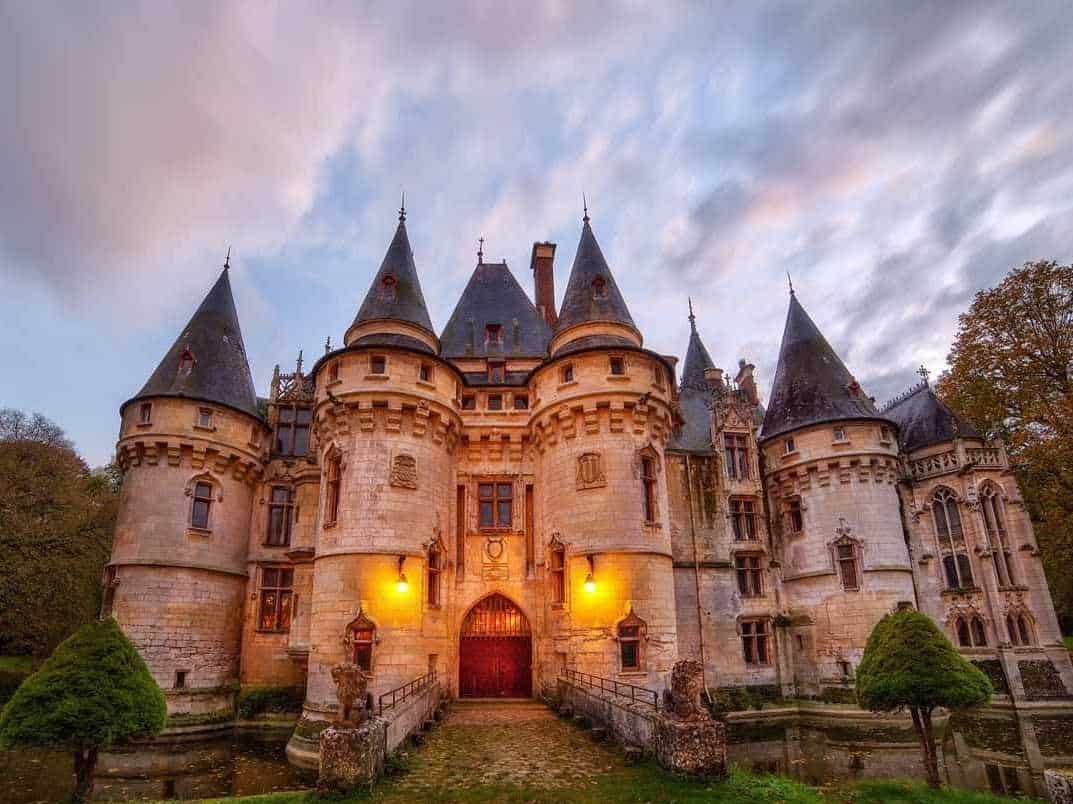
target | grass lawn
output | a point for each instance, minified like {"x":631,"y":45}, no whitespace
{"x":647,"y":783}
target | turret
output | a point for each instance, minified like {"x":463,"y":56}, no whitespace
{"x":831,"y":464}
{"x":189,"y":445}
{"x":385,"y":424}
{"x":605,"y":413}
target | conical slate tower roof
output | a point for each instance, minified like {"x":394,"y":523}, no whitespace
{"x":591,"y":293}
{"x":697,"y":359}
{"x":208,"y":361}
{"x":812,"y":384}
{"x":395,"y":292}
{"x":694,"y":397}
{"x":923,"y":420}
{"x":494,"y":297}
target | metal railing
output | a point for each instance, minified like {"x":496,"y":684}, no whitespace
{"x":407,"y":690}
{"x":621,"y":688}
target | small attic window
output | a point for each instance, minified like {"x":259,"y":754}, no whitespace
{"x":333,"y":371}
{"x":618,"y":366}
{"x":469,"y":402}
{"x":599,"y":288}
{"x":884,"y":434}
{"x":145,"y":413}
{"x":204,"y":417}
{"x":493,"y":335}
{"x":378,"y":364}
{"x":425,"y":373}
{"x":388,"y":288}
{"x":568,"y":373}
{"x":840,"y":433}
{"x":495,"y":402}
{"x":186,"y":361}
{"x":789,"y":446}
{"x":496,"y":373}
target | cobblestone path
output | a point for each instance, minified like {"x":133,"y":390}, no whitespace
{"x":505,"y":743}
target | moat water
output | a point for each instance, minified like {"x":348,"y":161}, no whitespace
{"x":994,"y":751}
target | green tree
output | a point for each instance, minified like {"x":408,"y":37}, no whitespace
{"x":909,"y":664}
{"x":1011,"y":375}
{"x":56,"y":524}
{"x":93,"y":691}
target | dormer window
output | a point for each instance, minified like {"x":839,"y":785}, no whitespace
{"x":496,"y":373}
{"x":884,"y":435}
{"x":186,"y":361}
{"x":495,"y":402}
{"x":493,"y":335}
{"x":618,"y":366}
{"x":389,"y":288}
{"x":599,"y":288}
{"x":204,"y":418}
{"x":521,"y":402}
{"x":145,"y":413}
{"x":789,"y":446}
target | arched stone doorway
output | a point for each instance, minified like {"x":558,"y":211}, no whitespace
{"x":495,"y":657}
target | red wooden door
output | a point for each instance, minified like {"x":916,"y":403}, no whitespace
{"x":495,"y":667}
{"x":496,"y":652}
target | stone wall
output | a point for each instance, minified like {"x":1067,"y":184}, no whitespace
{"x":630,"y":723}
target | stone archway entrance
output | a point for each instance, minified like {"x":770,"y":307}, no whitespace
{"x":496,"y":651}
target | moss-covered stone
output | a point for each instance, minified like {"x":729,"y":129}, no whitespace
{"x":992,"y":668}
{"x":1055,"y":734}
{"x":1041,"y":680}
{"x":254,"y":701}
{"x":999,"y":734}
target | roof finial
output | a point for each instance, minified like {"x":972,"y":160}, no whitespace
{"x":692,"y":318}
{"x":924,"y":373}
{"x":791,"y":283}
{"x":585,"y":207}
{"x":402,"y":208}
{"x":480,"y":250}
{"x":227,"y":259}
{"x":328,"y":345}
{"x":298,"y":363}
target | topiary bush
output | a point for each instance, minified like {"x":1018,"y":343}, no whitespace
{"x":93,"y":691}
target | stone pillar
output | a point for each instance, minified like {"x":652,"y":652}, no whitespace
{"x":351,"y":756}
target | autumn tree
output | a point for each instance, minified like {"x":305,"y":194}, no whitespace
{"x":92,"y":692}
{"x":56,"y":523}
{"x":909,"y":664}
{"x":1010,"y":375}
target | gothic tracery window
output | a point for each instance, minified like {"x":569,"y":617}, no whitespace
{"x":201,"y":506}
{"x":280,"y":516}
{"x":997,"y":535}
{"x":631,"y":635}
{"x":276,"y":594}
{"x":971,"y":632}
{"x":957,"y":568}
{"x":292,"y":431}
{"x":1019,"y":629}
{"x":743,"y":518}
{"x":736,"y":454}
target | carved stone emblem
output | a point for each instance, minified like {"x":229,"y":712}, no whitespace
{"x":683,"y":698}
{"x":404,"y":471}
{"x":350,"y":685}
{"x":590,"y":471}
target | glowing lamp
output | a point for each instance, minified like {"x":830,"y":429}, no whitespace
{"x":590,"y":579}
{"x":402,"y":586}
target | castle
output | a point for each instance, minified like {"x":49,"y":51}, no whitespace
{"x":533,"y":492}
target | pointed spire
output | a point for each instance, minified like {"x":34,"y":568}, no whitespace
{"x":697,"y":359}
{"x":402,"y":208}
{"x":812,"y":384}
{"x":227,"y":259}
{"x":591,"y":292}
{"x":790,"y":282}
{"x":208,"y":360}
{"x":480,"y":250}
{"x":395,"y":292}
{"x":585,"y":207}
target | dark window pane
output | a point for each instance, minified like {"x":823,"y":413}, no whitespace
{"x":485,"y":491}
{"x":486,"y":514}
{"x":504,"y":490}
{"x":200,"y":516}
{"x":965,"y":569}
{"x":301,"y":440}
{"x":363,"y":656}
{"x":951,"y":572}
{"x":504,"y":514}
{"x":629,"y":655}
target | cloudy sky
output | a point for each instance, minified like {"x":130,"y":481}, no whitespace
{"x":894,"y":158}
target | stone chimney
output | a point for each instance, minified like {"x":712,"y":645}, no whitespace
{"x":746,"y":383}
{"x":541,"y":264}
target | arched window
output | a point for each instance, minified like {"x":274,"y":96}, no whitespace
{"x":435,"y":568}
{"x":332,"y":484}
{"x":631,"y":637}
{"x":956,"y":564}
{"x":1020,"y":631}
{"x":557,"y":572}
{"x":971,"y":631}
{"x":997,"y":535}
{"x":846,"y":559}
{"x":201,"y":506}
{"x":1024,"y":630}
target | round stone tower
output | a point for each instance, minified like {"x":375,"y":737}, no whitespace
{"x":830,"y":469}
{"x":600,"y":425}
{"x":386,"y":423}
{"x":188,"y":445}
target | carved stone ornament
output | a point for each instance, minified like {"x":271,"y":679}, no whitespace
{"x":404,"y":471}
{"x":351,"y":683}
{"x":590,"y":471}
{"x":682,"y":700}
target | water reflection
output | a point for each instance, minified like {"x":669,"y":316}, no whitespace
{"x":232,"y":766}
{"x":996,"y":751}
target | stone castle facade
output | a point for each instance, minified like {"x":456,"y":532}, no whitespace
{"x":533,"y":492}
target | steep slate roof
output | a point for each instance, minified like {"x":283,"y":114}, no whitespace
{"x":580,"y":303}
{"x":493,"y":296}
{"x":812,"y":384}
{"x":407,"y":302}
{"x":220,"y":371}
{"x":694,"y":397}
{"x":924,"y":420}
